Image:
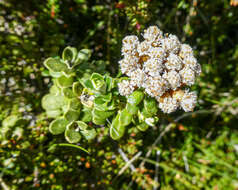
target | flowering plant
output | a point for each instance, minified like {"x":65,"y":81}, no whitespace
{"x":159,"y":71}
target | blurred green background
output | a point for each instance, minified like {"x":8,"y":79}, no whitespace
{"x":196,"y":150}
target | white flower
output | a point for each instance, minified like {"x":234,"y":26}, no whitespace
{"x":173,"y":62}
{"x":151,"y":33}
{"x":187,"y":75}
{"x":168,"y":104}
{"x":189,"y":101}
{"x":129,"y":64}
{"x":173,"y":78}
{"x":171,"y":44}
{"x":198,"y":69}
{"x":143,"y":48}
{"x":162,"y":66}
{"x":190,"y":61}
{"x":137,"y":78}
{"x":157,"y":53}
{"x":185,"y":50}
{"x":129,"y":44}
{"x":125,"y":88}
{"x":153,"y":67}
{"x":155,"y":86}
{"x":178,"y":95}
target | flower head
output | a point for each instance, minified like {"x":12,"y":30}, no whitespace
{"x":162,"y":66}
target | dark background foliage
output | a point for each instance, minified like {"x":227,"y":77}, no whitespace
{"x":194,"y":150}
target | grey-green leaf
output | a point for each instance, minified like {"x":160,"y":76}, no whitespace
{"x":75,"y":104}
{"x":55,"y":65}
{"x":88,"y":132}
{"x":53,"y":113}
{"x":116,"y":130}
{"x":150,"y":105}
{"x":68,"y":93}
{"x":72,"y":115}
{"x":77,"y":88}
{"x":53,"y":102}
{"x":83,"y":55}
{"x":142,"y":126}
{"x":72,"y":134}
{"x":135,"y":98}
{"x":132,"y":109}
{"x":58,"y":126}
{"x":125,"y":118}
{"x":69,"y":54}
{"x":64,"y":81}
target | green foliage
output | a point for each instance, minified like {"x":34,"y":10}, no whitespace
{"x":194,"y":150}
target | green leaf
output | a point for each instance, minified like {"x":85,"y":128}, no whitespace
{"x":103,"y":103}
{"x":102,"y":114}
{"x":116,"y":130}
{"x":10,"y":121}
{"x":68,"y":93}
{"x":53,"y":102}
{"x":88,"y":132}
{"x":72,"y":115}
{"x":75,"y":104}
{"x":69,"y":54}
{"x":86,"y":115}
{"x":77,"y":88}
{"x":142,"y":126}
{"x":109,"y":82}
{"x":58,"y":126}
{"x":64,"y":81}
{"x":87,"y":84}
{"x":83,"y":55}
{"x":98,"y":121}
{"x":55,"y":74}
{"x":150,"y":105}
{"x":72,"y":134}
{"x":53,"y":113}
{"x":125,"y":118}
{"x":54,"y":90}
{"x":132,"y":109}
{"x":135,"y":98}
{"x":98,"y":82}
{"x":55,"y":65}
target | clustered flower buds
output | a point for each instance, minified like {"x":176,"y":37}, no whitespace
{"x":162,"y":66}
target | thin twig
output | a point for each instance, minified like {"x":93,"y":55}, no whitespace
{"x":156,"y":178}
{"x":167,"y":129}
{"x":156,"y":142}
{"x":186,"y":163}
{"x":4,"y":185}
{"x":126,"y":159}
{"x":129,"y":163}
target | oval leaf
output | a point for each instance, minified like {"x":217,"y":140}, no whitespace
{"x":58,"y":126}
{"x":88,"y":132}
{"x":55,"y":65}
{"x":72,"y":134}
{"x":71,"y":115}
{"x":142,"y":126}
{"x":69,"y":54}
{"x":64,"y":81}
{"x":125,"y":118}
{"x":116,"y":130}
{"x":135,"y":98}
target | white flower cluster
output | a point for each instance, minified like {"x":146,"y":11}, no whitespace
{"x":162,"y":66}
